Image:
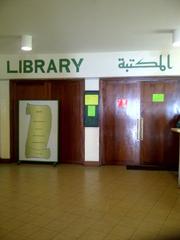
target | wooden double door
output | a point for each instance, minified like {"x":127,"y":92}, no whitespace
{"x":136,"y":119}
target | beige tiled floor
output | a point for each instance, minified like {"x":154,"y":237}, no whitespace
{"x":42,"y":202}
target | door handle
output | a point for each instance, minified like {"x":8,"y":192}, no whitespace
{"x":138,"y":129}
{"x":141,"y":128}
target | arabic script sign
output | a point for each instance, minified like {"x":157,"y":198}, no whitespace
{"x":90,"y":65}
{"x":132,"y":63}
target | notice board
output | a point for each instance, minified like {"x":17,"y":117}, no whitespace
{"x":91,"y":109}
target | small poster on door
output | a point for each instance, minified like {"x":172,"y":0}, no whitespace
{"x":121,"y":102}
{"x":38,"y":130}
{"x":158,"y":97}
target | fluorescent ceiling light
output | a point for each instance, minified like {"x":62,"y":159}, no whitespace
{"x":176,"y":38}
{"x":26,"y":43}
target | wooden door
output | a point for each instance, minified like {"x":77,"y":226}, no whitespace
{"x":71,"y":130}
{"x":120,"y":111}
{"x":160,"y":106}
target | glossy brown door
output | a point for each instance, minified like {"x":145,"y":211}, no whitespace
{"x":120,"y":113}
{"x":159,"y":146}
{"x":139,"y":133}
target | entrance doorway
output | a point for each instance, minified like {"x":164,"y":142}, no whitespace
{"x":70,"y":93}
{"x":136,"y":119}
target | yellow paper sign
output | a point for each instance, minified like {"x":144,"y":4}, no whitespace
{"x":91,"y":99}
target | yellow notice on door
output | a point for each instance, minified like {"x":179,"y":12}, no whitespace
{"x":91,"y":99}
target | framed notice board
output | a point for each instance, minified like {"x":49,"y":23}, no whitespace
{"x":91,"y":109}
{"x":38,"y":130}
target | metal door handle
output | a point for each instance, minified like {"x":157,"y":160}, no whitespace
{"x":141,"y":128}
{"x":138,"y":129}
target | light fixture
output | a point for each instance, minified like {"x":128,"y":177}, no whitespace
{"x":176,"y":38}
{"x":26,"y":43}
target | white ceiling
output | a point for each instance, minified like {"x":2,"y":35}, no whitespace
{"x":75,"y":26}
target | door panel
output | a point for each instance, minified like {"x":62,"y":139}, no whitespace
{"x":159,"y":147}
{"x":118,"y":134}
{"x":71,"y":131}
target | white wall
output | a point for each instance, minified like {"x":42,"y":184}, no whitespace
{"x":92,"y":133}
{"x":91,"y":144}
{"x":4,"y":120}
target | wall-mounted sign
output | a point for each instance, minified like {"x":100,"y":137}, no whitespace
{"x":41,"y":66}
{"x":90,"y":65}
{"x":158,"y":97}
{"x":91,"y":111}
{"x":91,"y":108}
{"x":141,"y":63}
{"x":91,"y":99}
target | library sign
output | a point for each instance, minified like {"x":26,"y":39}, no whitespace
{"x":63,"y":65}
{"x":115,"y":64}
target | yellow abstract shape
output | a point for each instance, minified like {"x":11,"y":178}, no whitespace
{"x":38,"y":132}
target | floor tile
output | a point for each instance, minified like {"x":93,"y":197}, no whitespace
{"x":73,"y":202}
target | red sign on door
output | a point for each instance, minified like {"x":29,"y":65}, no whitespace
{"x":122,"y":102}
